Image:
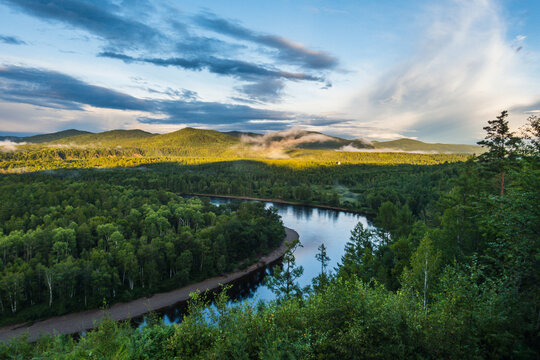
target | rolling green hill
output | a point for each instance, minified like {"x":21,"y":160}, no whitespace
{"x":200,"y":142}
{"x":194,"y":137}
{"x":108,"y":138}
{"x":416,"y":145}
{"x":190,"y":142}
{"x":44,"y":138}
{"x":11,"y":138}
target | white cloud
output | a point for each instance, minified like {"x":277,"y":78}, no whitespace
{"x":463,"y":73}
{"x":8,"y":145}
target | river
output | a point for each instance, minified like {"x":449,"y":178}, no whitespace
{"x":315,"y":227}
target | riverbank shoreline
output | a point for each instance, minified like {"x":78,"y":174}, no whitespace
{"x":278,"y":201}
{"x":86,"y":320}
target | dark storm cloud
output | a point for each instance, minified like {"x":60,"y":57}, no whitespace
{"x":288,"y":51}
{"x":97,"y":17}
{"x":56,"y":90}
{"x":11,"y":40}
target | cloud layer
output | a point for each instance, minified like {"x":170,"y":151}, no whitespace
{"x":98,"y":17}
{"x":60,"y":91}
{"x":131,"y":39}
{"x":463,"y":73}
{"x":287,"y":50}
{"x":437,"y":75}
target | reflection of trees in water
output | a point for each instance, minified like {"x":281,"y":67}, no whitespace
{"x":245,"y":288}
{"x":303,"y":212}
{"x":175,"y":313}
{"x":331,"y":214}
{"x":299,"y":211}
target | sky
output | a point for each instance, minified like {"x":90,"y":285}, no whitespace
{"x":432,"y":70}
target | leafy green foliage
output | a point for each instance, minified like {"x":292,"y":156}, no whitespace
{"x":67,"y":245}
{"x":452,"y":272}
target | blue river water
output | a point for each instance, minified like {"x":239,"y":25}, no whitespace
{"x":315,"y":226}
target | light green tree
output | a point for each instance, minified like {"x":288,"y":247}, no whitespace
{"x":423,"y":270}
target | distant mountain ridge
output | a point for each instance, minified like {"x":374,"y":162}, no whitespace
{"x":214,"y":142}
{"x":106,"y":138}
{"x":420,"y":146}
{"x":43,"y":138}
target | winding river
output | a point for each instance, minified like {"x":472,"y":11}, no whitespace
{"x":314,"y":226}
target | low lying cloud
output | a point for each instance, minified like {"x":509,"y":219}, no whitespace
{"x":8,"y":145}
{"x":277,"y":143}
{"x":351,"y":148}
{"x":285,"y":138}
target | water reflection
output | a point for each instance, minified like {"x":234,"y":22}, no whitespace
{"x":315,"y":226}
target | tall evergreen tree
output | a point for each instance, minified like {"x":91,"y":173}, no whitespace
{"x":501,"y":145}
{"x":321,"y":281}
{"x":283,"y":282}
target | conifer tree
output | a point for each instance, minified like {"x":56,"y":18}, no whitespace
{"x":501,"y":145}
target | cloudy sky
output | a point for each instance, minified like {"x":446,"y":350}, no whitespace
{"x":432,"y":70}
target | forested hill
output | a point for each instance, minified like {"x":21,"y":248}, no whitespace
{"x":212,"y":142}
{"x":44,"y":138}
{"x":416,"y":145}
{"x":187,"y":141}
{"x":108,"y":138}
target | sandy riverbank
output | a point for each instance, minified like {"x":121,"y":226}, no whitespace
{"x":77,"y":322}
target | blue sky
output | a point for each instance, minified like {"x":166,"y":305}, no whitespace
{"x":432,"y":70}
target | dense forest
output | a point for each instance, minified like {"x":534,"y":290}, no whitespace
{"x":67,"y":245}
{"x":130,"y":148}
{"x":73,"y":158}
{"x":452,"y":272}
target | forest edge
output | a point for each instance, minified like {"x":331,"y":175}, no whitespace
{"x":86,"y":320}
{"x":279,"y":201}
